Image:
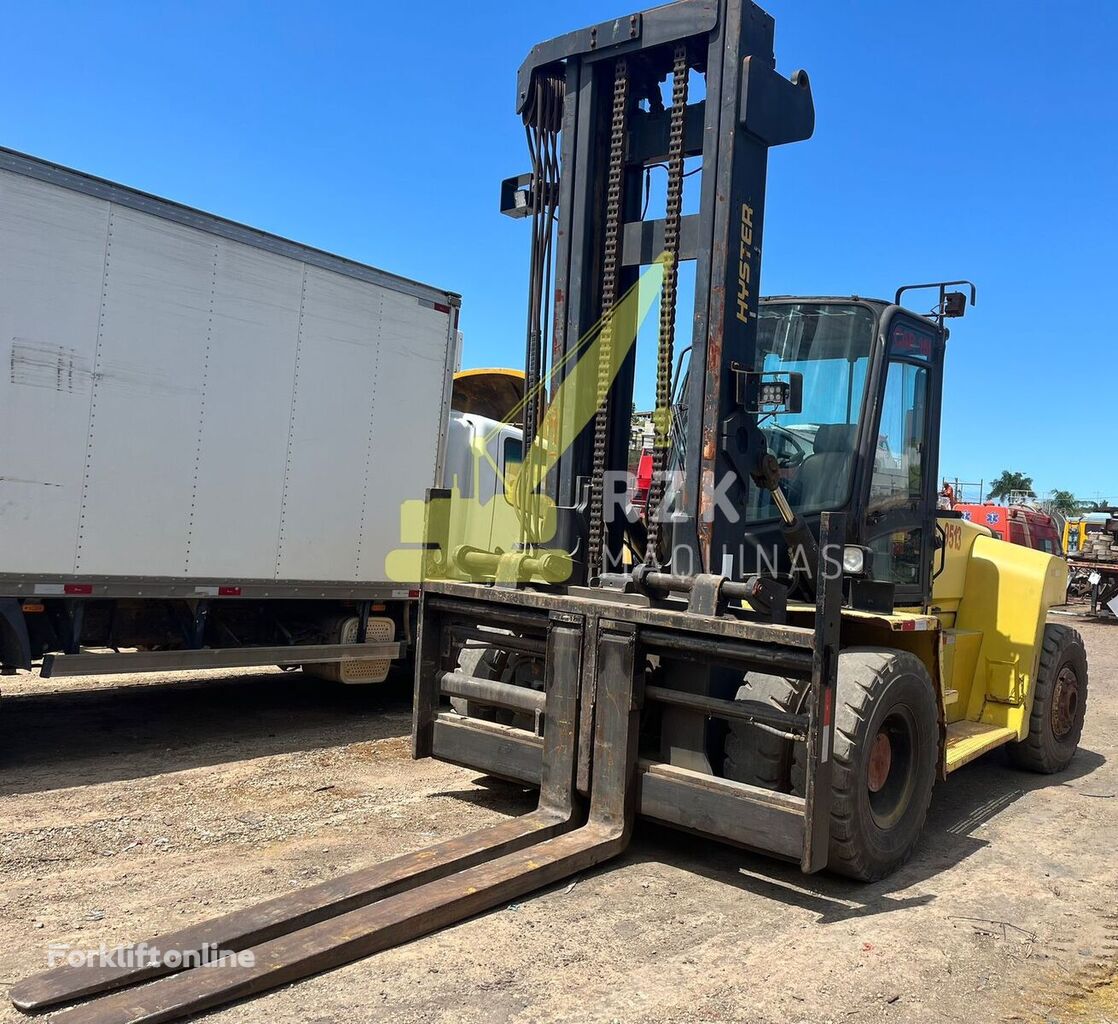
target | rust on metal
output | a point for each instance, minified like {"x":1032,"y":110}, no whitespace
{"x":1065,"y":702}
{"x":881,"y":760}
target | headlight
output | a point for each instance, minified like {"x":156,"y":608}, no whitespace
{"x":853,"y":560}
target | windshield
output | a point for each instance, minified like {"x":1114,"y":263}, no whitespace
{"x":829,"y":343}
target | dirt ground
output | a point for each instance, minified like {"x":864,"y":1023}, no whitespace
{"x":130,"y":807}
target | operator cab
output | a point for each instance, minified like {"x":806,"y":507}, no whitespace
{"x":863,"y":437}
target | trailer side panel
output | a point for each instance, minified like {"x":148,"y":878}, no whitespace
{"x":172,"y":378}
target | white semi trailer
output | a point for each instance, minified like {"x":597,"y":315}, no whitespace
{"x":206,"y":436}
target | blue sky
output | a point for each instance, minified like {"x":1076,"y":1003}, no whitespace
{"x":954,"y":139}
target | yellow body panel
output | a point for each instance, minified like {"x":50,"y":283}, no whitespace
{"x":968,"y":740}
{"x":1009,"y":589}
{"x":959,"y":651}
{"x":980,"y":637}
{"x":952,"y":560}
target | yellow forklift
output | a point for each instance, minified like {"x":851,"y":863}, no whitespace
{"x":785,"y":649}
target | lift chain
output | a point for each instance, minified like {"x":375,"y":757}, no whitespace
{"x":609,"y":298}
{"x":670,"y":257}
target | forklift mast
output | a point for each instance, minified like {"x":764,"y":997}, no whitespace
{"x":594,"y":110}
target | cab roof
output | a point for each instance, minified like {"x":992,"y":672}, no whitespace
{"x":878,"y":304}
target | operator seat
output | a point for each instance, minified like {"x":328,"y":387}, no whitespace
{"x":824,"y":478}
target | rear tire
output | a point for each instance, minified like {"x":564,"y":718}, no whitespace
{"x":1059,"y":704}
{"x":886,"y":748}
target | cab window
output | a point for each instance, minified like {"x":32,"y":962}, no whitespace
{"x":897,"y":483}
{"x":897,"y":555}
{"x":898,"y":456}
{"x":828,"y":343}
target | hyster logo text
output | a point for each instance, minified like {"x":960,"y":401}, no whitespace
{"x":745,"y":266}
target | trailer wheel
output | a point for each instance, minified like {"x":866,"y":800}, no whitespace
{"x":886,"y":746}
{"x":756,"y":756}
{"x":1059,"y":703}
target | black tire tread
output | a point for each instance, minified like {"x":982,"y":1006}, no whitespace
{"x":863,"y":675}
{"x":753,"y":755}
{"x":1058,"y":644}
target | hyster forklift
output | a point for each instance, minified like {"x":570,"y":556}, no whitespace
{"x":784,"y":650}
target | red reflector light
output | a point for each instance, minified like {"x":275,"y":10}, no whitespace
{"x":228,"y":591}
{"x":908,"y":626}
{"x":440,"y":308}
{"x":413,"y":593}
{"x":78,"y":588}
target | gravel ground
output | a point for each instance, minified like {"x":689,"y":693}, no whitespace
{"x":132,"y":806}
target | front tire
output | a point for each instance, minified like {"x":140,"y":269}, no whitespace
{"x":493,"y":663}
{"x":754,"y":755}
{"x":885,"y":752}
{"x":1059,"y":703}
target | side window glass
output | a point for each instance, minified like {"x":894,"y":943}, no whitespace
{"x":896,"y":556}
{"x":898,"y":461}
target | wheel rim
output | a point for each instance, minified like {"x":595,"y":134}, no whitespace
{"x":881,"y":760}
{"x":1065,"y":702}
{"x":891,"y":768}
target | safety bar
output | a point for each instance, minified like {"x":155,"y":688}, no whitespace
{"x":781,"y":660}
{"x":738,"y":710}
{"x":505,"y":641}
{"x":490,"y":691}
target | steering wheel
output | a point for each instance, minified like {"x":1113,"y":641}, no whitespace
{"x":792,"y":450}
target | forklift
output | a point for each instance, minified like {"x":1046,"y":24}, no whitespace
{"x":785,"y":649}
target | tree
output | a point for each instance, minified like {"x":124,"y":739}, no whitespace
{"x":1008,"y":482}
{"x":1064,"y":502}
